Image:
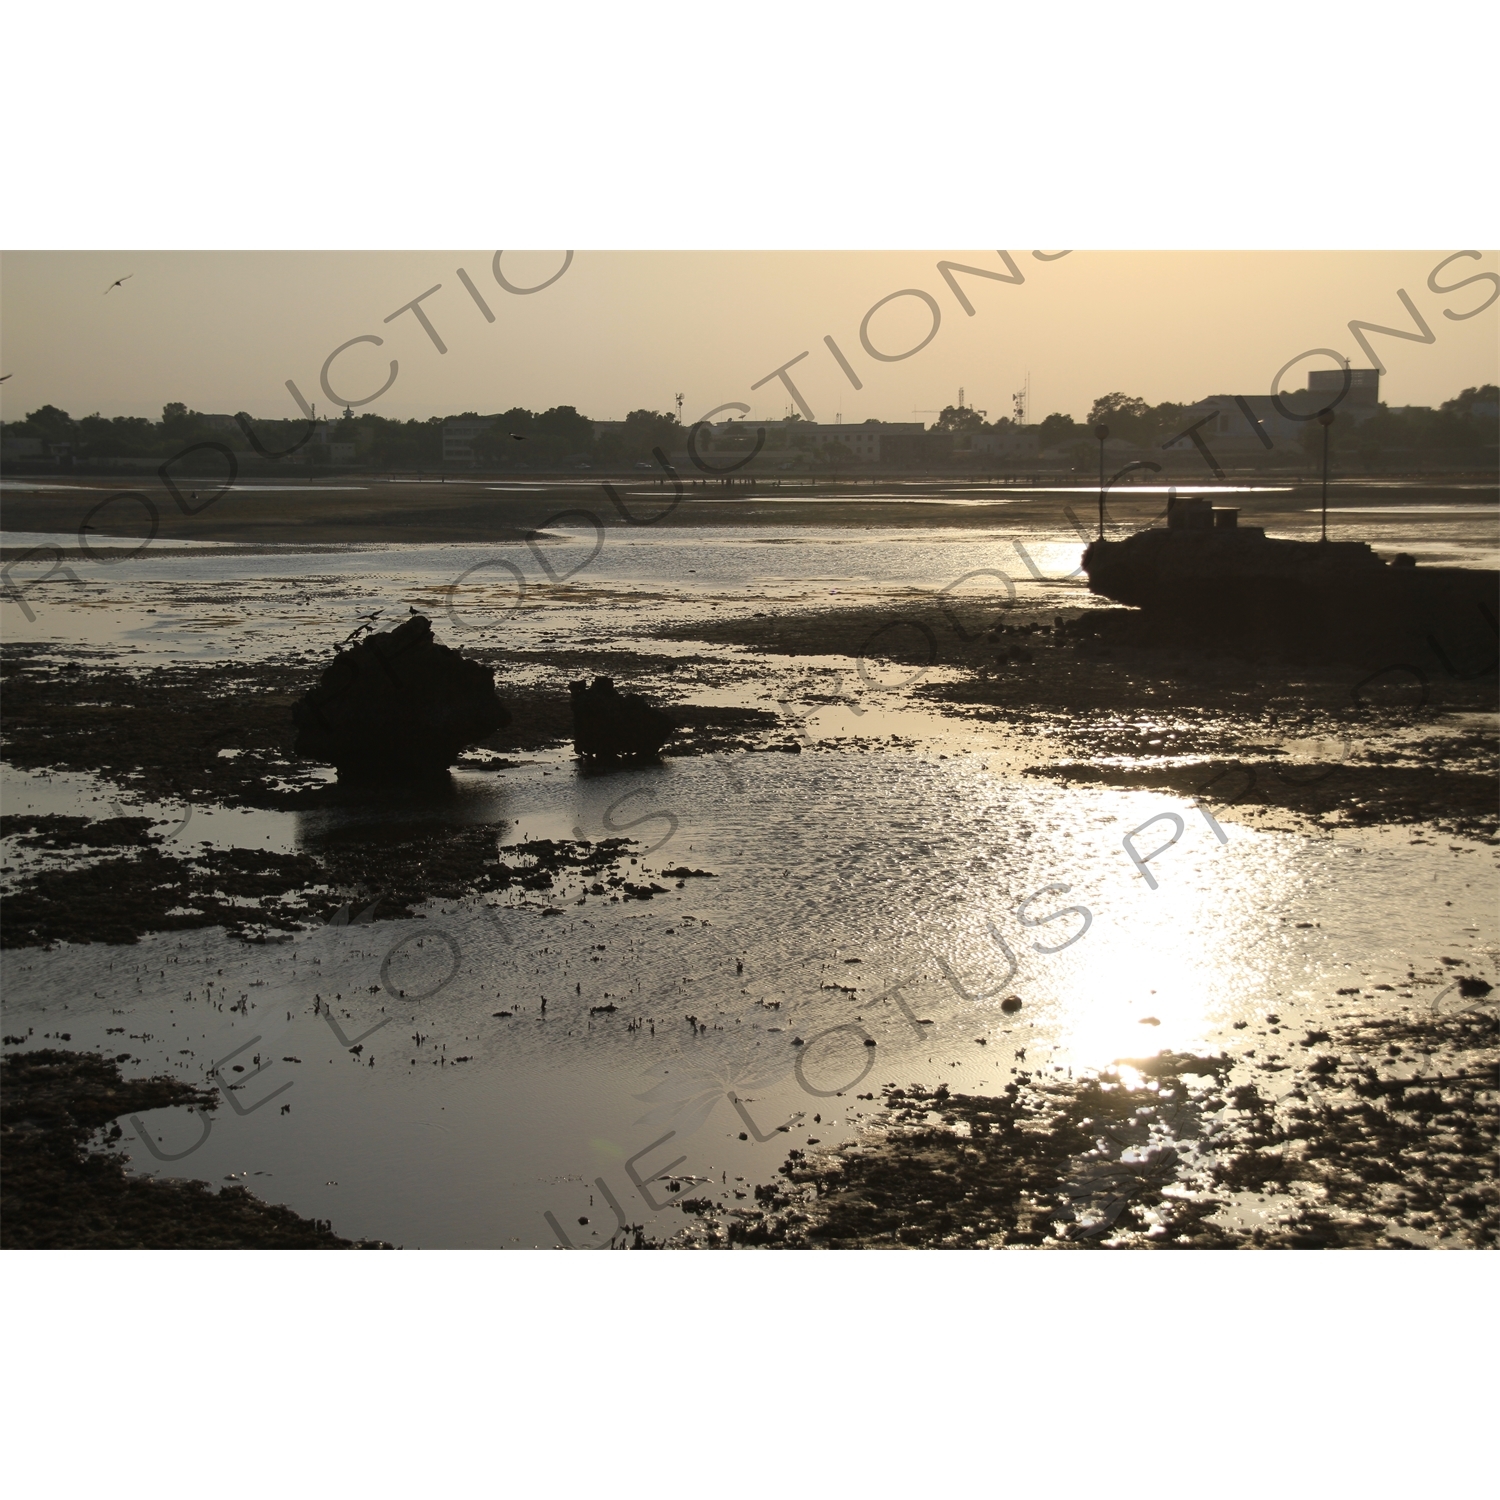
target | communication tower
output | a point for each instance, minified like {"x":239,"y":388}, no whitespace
{"x":1021,"y":401}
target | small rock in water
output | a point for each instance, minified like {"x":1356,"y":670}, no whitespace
{"x":614,"y":725}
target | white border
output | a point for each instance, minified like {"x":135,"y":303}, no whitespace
{"x":449,"y":1373}
{"x":818,"y":125}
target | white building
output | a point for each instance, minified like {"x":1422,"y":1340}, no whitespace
{"x":1257,"y":424}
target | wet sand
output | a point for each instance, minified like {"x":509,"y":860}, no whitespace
{"x":349,"y":509}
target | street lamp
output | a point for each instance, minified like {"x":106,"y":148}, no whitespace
{"x":1101,"y":432}
{"x":1325,"y":417}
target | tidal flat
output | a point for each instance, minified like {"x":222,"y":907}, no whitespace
{"x":877,"y":954}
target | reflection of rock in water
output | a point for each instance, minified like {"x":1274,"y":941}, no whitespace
{"x":613,"y":724}
{"x":397,"y":704}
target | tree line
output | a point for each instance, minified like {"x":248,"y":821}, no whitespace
{"x":1464,"y":427}
{"x":1454,"y":429}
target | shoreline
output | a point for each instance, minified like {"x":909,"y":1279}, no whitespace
{"x":63,"y":1188}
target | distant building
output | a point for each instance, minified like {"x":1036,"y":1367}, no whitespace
{"x":1256,"y":424}
{"x":1364,"y":390}
{"x":458,"y":438}
{"x":1001,"y":442}
{"x":868,"y":442}
{"x":862,"y":439}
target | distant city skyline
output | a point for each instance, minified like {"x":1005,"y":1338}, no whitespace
{"x":824,"y":333}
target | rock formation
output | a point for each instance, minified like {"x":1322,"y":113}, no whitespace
{"x":397,"y":704}
{"x":616,"y":725}
{"x":1204,"y":572}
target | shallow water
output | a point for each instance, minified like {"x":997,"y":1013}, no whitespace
{"x":581,"y":580}
{"x":922,"y":856}
{"x":916,"y":867}
{"x":242,"y":602}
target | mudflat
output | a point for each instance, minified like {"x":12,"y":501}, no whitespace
{"x":355,"y":508}
{"x":1361,"y":1115}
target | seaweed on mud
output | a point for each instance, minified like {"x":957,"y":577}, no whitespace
{"x":223,"y":733}
{"x":57,"y":831}
{"x":116,"y":900}
{"x":1350,"y":795}
{"x":251,"y":892}
{"x":158,"y":733}
{"x":1356,"y":1152}
{"x":1084,"y":682}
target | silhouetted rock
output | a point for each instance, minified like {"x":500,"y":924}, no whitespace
{"x":617,"y":725}
{"x":1204,"y":571}
{"x":397,"y":704}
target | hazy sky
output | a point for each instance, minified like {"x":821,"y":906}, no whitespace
{"x":224,"y":331}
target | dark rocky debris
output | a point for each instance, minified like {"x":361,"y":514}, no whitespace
{"x":255,"y":893}
{"x":397,"y":704}
{"x":611,"y":725}
{"x":1383,"y":1137}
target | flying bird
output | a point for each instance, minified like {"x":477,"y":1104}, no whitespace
{"x":114,"y":284}
{"x":520,"y":437}
{"x":6,"y":377}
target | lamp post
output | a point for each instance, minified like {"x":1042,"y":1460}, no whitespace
{"x":1101,"y":432}
{"x":1325,"y":417}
